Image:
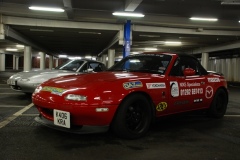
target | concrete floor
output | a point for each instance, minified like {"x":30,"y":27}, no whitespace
{"x":186,"y":136}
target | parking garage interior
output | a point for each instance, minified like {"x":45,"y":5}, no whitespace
{"x":90,"y":29}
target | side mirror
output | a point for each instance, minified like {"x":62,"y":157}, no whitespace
{"x":189,"y":72}
{"x":89,"y":70}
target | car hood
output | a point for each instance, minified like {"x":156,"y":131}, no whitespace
{"x":42,"y":73}
{"x":96,"y":78}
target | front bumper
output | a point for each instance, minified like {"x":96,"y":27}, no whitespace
{"x":22,"y":86}
{"x":79,"y":130}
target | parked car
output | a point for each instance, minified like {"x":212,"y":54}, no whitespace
{"x":27,"y":81}
{"x":130,"y":95}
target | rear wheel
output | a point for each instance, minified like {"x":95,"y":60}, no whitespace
{"x":219,"y":104}
{"x":133,"y":117}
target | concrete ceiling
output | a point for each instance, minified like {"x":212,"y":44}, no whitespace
{"x":87,"y":27}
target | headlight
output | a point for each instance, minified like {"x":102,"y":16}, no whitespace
{"x":75,"y":97}
{"x":38,"y":89}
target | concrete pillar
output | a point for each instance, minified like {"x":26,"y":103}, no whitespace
{"x":104,"y":59}
{"x":238,"y":69}
{"x":223,"y":67}
{"x":14,"y":62}
{"x":50,"y":62}
{"x":218,"y":67}
{"x":42,"y":60}
{"x":56,"y":62}
{"x":111,"y":57}
{"x":229,"y":69}
{"x":2,"y":62}
{"x":27,"y":58}
{"x":234,"y":69}
{"x":17,"y":62}
{"x":204,"y":62}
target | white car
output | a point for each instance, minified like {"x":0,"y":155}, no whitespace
{"x":27,"y":81}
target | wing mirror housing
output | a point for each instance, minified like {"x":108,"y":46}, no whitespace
{"x":189,"y":72}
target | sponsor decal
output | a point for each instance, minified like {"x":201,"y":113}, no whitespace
{"x":188,"y":84}
{"x":181,"y":102}
{"x":130,"y":85}
{"x":54,"y":90}
{"x":155,"y":85}
{"x":174,"y":89}
{"x":193,"y":91}
{"x":213,"y":80}
{"x":197,"y":100}
{"x":209,"y":92}
{"x":161,"y":106}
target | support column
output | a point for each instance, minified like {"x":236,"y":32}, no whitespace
{"x":111,"y":57}
{"x":56,"y":63}
{"x":14,"y":62}
{"x":234,"y":71}
{"x":238,"y":69}
{"x":127,"y":38}
{"x":229,"y":69}
{"x":104,"y":57}
{"x":17,"y":62}
{"x":223,"y":67}
{"x":218,"y":65}
{"x":50,"y":62}
{"x":205,"y":58}
{"x":42,"y":60}
{"x":27,"y":58}
{"x":2,"y":62}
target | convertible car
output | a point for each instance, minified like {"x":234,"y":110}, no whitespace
{"x":28,"y":81}
{"x":130,"y":95}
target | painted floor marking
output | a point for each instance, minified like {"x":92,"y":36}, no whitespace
{"x":11,"y":106}
{"x":14,"y":116}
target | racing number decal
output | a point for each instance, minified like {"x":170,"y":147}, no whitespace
{"x":161,"y":106}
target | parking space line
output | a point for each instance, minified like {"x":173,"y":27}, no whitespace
{"x":5,"y":88}
{"x":14,"y":116}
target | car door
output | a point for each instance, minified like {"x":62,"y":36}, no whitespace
{"x":186,"y":92}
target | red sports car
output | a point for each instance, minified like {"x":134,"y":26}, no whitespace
{"x":127,"y":97}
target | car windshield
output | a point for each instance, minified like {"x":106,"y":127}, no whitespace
{"x":71,"y":65}
{"x":152,"y":63}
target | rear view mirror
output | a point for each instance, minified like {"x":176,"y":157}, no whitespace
{"x":189,"y":72}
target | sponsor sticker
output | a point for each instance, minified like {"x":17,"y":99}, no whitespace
{"x":130,"y":85}
{"x":209,"y":92}
{"x":213,"y":80}
{"x":54,"y":90}
{"x":174,"y":88}
{"x":161,"y":106}
{"x":155,"y":85}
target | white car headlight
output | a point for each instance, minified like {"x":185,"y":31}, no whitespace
{"x":75,"y":97}
{"x":38,"y":89}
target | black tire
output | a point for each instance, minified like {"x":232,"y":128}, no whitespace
{"x":219,"y":104}
{"x":133,"y":117}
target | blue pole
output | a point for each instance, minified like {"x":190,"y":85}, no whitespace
{"x":127,"y":38}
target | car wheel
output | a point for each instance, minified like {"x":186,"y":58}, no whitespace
{"x":133,"y":117}
{"x":219,"y":104}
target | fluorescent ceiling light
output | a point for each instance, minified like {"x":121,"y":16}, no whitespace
{"x":150,"y":49}
{"x":135,"y":52}
{"x":172,"y":43}
{"x":74,"y":58}
{"x":145,"y":35}
{"x":46,"y":9}
{"x":128,"y":14}
{"x":62,"y":56}
{"x":41,"y":30}
{"x":20,"y":46}
{"x":89,"y":32}
{"x":11,"y":49}
{"x":203,"y":19}
{"x":89,"y":57}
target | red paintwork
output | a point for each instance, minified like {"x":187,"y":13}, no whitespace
{"x":105,"y":90}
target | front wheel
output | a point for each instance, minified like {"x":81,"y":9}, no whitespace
{"x":219,"y":104}
{"x":133,"y":117}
